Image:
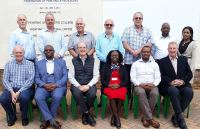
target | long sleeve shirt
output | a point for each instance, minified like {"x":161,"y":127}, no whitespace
{"x":104,"y":45}
{"x":55,"y":38}
{"x":24,"y":39}
{"x":18,"y":75}
{"x":145,"y":72}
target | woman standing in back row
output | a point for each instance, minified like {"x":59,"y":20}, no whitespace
{"x":188,"y":47}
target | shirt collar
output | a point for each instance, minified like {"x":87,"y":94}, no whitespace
{"x":150,"y":60}
{"x":49,"y":61}
{"x":136,"y":28}
{"x":173,"y":58}
{"x":106,"y":35}
{"x":46,"y":30}
{"x":23,"y":61}
{"x":20,"y":30}
{"x":165,"y":37}
{"x":77,"y":34}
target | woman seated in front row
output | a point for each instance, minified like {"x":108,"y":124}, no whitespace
{"x":114,"y":79}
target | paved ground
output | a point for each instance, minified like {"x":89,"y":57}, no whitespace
{"x":193,"y":122}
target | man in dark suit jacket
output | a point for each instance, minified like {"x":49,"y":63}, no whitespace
{"x":175,"y":82}
{"x":51,"y":79}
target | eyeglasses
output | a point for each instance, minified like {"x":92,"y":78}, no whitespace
{"x":48,"y":50}
{"x":109,"y":25}
{"x":138,"y":18}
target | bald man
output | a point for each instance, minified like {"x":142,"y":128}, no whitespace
{"x":22,"y":37}
{"x":18,"y":78}
{"x":81,"y":36}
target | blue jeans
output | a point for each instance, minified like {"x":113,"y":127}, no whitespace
{"x":23,"y":99}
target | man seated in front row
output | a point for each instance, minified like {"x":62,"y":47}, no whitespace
{"x":51,"y":79}
{"x":175,"y":82}
{"x":83,"y":76}
{"x":145,"y":75}
{"x":18,"y":78}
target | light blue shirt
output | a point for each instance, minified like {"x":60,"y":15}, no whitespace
{"x":18,"y":75}
{"x":24,"y":39}
{"x":55,"y":38}
{"x":104,"y":45}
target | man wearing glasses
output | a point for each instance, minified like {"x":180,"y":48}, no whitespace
{"x":108,"y":41}
{"x":81,"y":36}
{"x":133,"y":39}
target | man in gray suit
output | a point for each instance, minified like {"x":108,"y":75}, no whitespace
{"x":51,"y":79}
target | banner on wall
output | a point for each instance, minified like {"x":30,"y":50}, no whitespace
{"x":65,"y":13}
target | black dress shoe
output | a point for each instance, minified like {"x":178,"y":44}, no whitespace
{"x":91,"y":120}
{"x":174,"y":120}
{"x":25,"y":122}
{"x":12,"y":122}
{"x":56,"y":126}
{"x":84,"y":119}
{"x":112,"y":122}
{"x":117,"y":122}
{"x":182,"y":124}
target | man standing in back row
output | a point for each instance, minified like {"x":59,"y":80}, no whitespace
{"x":81,"y":36}
{"x":22,"y":37}
{"x":162,"y":42}
{"x":133,"y":39}
{"x":51,"y":36}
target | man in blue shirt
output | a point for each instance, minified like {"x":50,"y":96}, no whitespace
{"x":23,"y":38}
{"x":18,"y":78}
{"x":108,"y":41}
{"x":51,"y":36}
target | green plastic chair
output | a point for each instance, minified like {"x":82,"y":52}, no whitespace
{"x":136,"y":106}
{"x":167,"y":106}
{"x":74,"y":107}
{"x":104,"y":106}
{"x":63,"y":105}
{"x":30,"y":111}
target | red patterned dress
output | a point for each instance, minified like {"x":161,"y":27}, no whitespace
{"x":119,"y":93}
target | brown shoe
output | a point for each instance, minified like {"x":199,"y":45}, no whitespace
{"x":145,"y":122}
{"x":154,"y":123}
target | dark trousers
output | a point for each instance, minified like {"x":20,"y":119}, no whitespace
{"x":101,"y":66}
{"x":128,"y":69}
{"x":84,"y":105}
{"x":180,"y":97}
{"x":23,"y":99}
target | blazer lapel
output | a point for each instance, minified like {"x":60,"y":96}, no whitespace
{"x":178,"y":65}
{"x":55,"y":66}
{"x":44,"y":65}
{"x":171,"y":68}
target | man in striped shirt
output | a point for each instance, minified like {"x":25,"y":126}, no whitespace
{"x":18,"y":78}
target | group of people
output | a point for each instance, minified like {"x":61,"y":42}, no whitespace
{"x":135,"y":60}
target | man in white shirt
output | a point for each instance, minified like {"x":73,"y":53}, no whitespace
{"x":83,"y":75}
{"x":145,"y":75}
{"x":162,"y":42}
